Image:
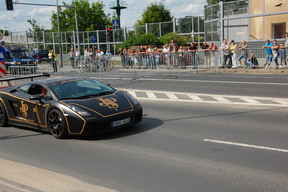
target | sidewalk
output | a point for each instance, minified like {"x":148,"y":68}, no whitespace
{"x":18,"y":177}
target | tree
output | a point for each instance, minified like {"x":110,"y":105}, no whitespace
{"x":90,"y":17}
{"x":35,"y":25}
{"x":155,"y":13}
{"x":145,"y":39}
{"x":179,"y":39}
{"x":213,"y":2}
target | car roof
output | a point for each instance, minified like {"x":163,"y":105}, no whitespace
{"x":58,"y":80}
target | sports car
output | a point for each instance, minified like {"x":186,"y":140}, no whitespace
{"x":68,"y":106}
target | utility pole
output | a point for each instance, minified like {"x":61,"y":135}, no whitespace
{"x":59,"y":36}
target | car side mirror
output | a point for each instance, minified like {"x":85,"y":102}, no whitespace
{"x":36,"y":97}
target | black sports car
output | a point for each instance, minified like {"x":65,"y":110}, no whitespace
{"x":68,"y":106}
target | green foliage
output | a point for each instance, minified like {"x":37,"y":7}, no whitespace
{"x":35,"y":25}
{"x":179,"y":39}
{"x":213,"y":2}
{"x":155,"y":13}
{"x":145,"y":39}
{"x":90,"y":17}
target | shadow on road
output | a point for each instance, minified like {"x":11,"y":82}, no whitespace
{"x":146,"y":125}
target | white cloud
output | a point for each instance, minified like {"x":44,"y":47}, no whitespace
{"x":17,"y":20}
{"x":194,"y":9}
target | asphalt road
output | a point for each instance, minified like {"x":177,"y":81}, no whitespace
{"x":179,"y":146}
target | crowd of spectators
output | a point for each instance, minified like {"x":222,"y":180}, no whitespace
{"x":172,"y":55}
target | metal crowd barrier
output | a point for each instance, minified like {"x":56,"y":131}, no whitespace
{"x":23,"y":70}
{"x":181,"y":60}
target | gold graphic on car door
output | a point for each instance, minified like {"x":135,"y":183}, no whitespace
{"x":24,"y":108}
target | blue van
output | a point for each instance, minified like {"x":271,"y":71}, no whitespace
{"x":19,"y":58}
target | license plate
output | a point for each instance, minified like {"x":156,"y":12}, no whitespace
{"x":121,"y":122}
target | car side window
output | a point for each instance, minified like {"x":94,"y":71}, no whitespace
{"x":24,"y":88}
{"x":39,"y":90}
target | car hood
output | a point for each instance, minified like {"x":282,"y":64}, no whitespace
{"x":105,"y":105}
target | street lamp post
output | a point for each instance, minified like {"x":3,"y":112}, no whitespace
{"x":59,"y":37}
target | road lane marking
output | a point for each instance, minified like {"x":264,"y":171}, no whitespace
{"x":195,"y":98}
{"x":221,"y":99}
{"x":246,"y":145}
{"x":151,"y":95}
{"x":172,"y":96}
{"x":200,"y":97}
{"x":250,"y":100}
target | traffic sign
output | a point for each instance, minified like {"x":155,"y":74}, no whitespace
{"x":2,"y":42}
{"x":116,"y":23}
{"x":93,"y":39}
{"x":3,"y":71}
{"x":2,"y":54}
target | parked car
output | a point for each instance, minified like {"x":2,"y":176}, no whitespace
{"x":40,"y":54}
{"x":19,"y":60}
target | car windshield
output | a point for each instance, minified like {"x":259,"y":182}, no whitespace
{"x":80,"y":89}
{"x":19,"y":54}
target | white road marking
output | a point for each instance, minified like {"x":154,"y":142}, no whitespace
{"x":172,"y":96}
{"x":151,"y":95}
{"x":196,"y":97}
{"x":246,"y":145}
{"x":250,"y":100}
{"x":281,"y":102}
{"x":221,"y":99}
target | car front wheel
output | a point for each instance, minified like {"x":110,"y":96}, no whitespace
{"x":57,"y":124}
{"x":3,"y":116}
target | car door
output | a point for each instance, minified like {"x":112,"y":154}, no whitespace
{"x":27,"y":111}
{"x":38,"y":104}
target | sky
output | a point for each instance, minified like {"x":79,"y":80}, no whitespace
{"x":16,"y":21}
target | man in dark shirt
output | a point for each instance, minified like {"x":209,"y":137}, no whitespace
{"x":193,"y":48}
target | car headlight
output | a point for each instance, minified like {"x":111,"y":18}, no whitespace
{"x":79,"y":110}
{"x":132,"y":98}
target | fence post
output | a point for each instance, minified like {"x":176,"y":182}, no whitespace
{"x":174,"y":25}
{"x":44,"y":43}
{"x":53,"y":38}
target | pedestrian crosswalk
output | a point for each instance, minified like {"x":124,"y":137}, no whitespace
{"x":206,"y":98}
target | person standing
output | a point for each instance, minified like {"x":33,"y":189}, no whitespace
{"x":166,"y":52}
{"x":77,"y":58}
{"x":108,"y":56}
{"x":244,"y":53}
{"x":86,"y":55}
{"x":213,"y":48}
{"x":192,"y":49}
{"x":181,"y":57}
{"x":143,"y":58}
{"x":72,"y":57}
{"x":282,"y":55}
{"x":226,"y":53}
{"x":157,"y":57}
{"x":233,"y":49}
{"x":54,"y":61}
{"x":275,"y":53}
{"x":205,"y":49}
{"x":268,"y":46}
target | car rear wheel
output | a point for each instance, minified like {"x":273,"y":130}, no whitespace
{"x":3,"y":116}
{"x":57,"y":124}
